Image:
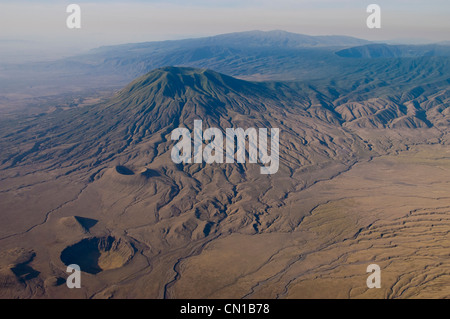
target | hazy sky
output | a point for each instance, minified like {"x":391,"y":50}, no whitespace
{"x":40,"y":26}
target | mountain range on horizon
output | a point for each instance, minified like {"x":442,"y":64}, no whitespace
{"x":252,"y":55}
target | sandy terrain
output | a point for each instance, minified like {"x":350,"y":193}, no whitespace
{"x":393,"y":210}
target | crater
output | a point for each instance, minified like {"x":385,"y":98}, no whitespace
{"x":97,"y":254}
{"x":147,"y":172}
{"x":123,"y":170}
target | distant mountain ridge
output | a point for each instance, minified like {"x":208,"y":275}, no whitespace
{"x":254,"y":55}
{"x":381,"y":50}
{"x":256,"y":38}
{"x":250,"y":55}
